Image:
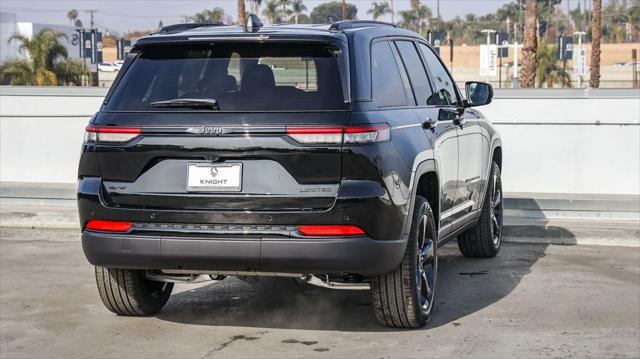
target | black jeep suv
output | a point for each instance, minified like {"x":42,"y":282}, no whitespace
{"x":340,"y":155}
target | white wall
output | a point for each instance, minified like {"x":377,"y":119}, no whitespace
{"x":569,"y":145}
{"x":552,"y":142}
{"x":41,"y":136}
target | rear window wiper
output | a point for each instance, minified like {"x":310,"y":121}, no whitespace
{"x":189,"y":102}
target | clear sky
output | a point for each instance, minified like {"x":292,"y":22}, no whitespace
{"x":127,"y":15}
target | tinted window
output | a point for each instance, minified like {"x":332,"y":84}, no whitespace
{"x":386,"y":82}
{"x":445,"y":89}
{"x":241,"y":77}
{"x":416,"y":71}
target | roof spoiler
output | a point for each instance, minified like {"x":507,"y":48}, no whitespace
{"x":172,"y":29}
{"x":352,"y":24}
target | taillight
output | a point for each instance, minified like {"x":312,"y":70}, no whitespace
{"x":338,"y":135}
{"x":367,"y":134}
{"x":108,"y":226}
{"x":110,"y":134}
{"x":336,"y":230}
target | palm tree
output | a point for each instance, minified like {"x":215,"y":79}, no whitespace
{"x":284,"y":4}
{"x":297,"y":8}
{"x":47,"y":62}
{"x":548,"y":71}
{"x":379,"y":9}
{"x":413,"y":18}
{"x":241,"y":15}
{"x":272,"y":12}
{"x":596,"y":34}
{"x":72,"y":15}
{"x":44,"y":49}
{"x":529,"y":48}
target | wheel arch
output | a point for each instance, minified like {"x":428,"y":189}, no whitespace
{"x":496,"y":155}
{"x":426,"y":183}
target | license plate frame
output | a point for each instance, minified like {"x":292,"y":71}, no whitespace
{"x":236,"y":186}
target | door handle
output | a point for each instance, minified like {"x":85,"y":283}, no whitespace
{"x":430,"y":124}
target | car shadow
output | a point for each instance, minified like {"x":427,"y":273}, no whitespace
{"x":465,"y":286}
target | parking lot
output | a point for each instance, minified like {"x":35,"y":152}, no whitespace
{"x":534,"y":300}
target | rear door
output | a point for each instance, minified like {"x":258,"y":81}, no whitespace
{"x":447,"y":98}
{"x":272,"y":143}
{"x":443,"y":135}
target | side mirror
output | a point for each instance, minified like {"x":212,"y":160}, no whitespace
{"x":478,"y":93}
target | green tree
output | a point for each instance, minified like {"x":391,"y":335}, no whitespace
{"x":47,"y":62}
{"x":17,"y":72}
{"x":216,"y":15}
{"x":379,"y":9}
{"x":414,"y":18}
{"x":330,"y":12}
{"x":70,"y":72}
{"x":284,"y":4}
{"x":272,"y":12}
{"x":548,"y":71}
{"x":297,"y":9}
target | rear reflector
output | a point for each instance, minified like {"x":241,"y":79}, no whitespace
{"x":108,"y":226}
{"x":110,"y":134}
{"x":338,"y":135}
{"x":331,"y":230}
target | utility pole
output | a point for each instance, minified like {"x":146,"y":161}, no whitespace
{"x":569,"y":11}
{"x":392,"y":12}
{"x":438,"y":10}
{"x":91,"y":12}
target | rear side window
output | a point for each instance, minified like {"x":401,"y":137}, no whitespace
{"x":385,"y":77}
{"x":445,"y":94}
{"x":415,"y":69}
{"x":240,"y":77}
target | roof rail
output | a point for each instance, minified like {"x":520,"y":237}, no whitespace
{"x":169,"y":29}
{"x":352,"y":24}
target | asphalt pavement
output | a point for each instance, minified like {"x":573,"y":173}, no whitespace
{"x":533,"y":300}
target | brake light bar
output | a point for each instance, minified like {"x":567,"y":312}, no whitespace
{"x":337,"y":135}
{"x":110,"y":134}
{"x":108,"y":226}
{"x":332,"y":230}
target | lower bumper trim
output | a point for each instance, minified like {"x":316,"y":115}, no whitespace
{"x":361,"y":255}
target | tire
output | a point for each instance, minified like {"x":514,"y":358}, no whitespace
{"x":484,"y":240}
{"x":405,"y":297}
{"x":128,"y":292}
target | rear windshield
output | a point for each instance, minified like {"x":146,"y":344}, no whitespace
{"x":240,"y":77}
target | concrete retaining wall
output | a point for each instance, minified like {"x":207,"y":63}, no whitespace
{"x":555,"y":141}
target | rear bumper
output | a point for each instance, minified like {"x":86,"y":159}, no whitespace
{"x":360,"y":255}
